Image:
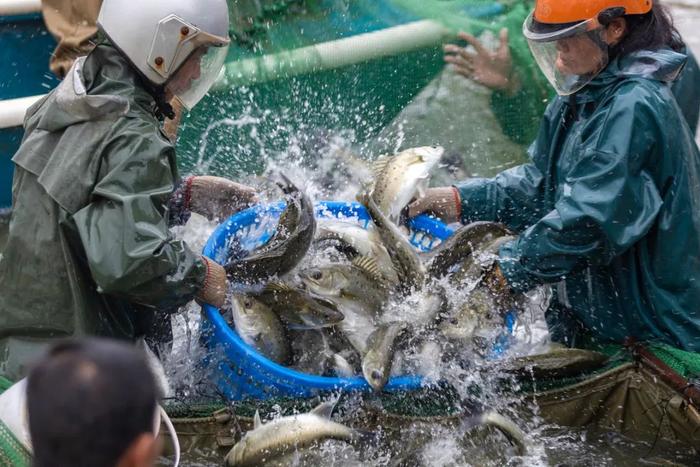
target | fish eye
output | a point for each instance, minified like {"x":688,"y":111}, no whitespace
{"x":248,"y":303}
{"x":316,"y":275}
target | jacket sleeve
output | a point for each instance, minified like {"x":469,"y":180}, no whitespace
{"x":124,"y":229}
{"x":511,"y":197}
{"x":606,"y":203}
{"x":514,"y":197}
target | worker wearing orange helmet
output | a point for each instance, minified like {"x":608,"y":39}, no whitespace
{"x":519,"y":91}
{"x":607,"y":209}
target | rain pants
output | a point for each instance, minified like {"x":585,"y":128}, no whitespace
{"x":608,"y":208}
{"x":519,"y":114}
{"x":89,"y":250}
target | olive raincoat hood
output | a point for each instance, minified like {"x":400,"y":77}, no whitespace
{"x":608,"y":209}
{"x":89,"y":250}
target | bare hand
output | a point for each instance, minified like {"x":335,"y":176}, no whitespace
{"x":492,"y":69}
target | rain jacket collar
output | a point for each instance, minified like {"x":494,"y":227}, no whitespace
{"x":101,"y":86}
{"x":660,"y":65}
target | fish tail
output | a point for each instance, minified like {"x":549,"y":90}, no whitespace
{"x":510,"y":430}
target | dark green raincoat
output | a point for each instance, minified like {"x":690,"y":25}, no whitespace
{"x":519,"y":114}
{"x":608,"y":208}
{"x":89,"y":251}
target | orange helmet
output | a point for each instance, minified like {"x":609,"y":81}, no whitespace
{"x":555,"y":21}
{"x":572,"y":11}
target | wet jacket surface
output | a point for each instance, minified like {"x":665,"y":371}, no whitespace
{"x":608,"y":208}
{"x":89,"y":250}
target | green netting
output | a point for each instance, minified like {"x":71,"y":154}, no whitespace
{"x":440,"y":400}
{"x":437,"y":401}
{"x":686,"y":364}
{"x":12,"y":453}
{"x":249,"y":19}
{"x":4,"y":384}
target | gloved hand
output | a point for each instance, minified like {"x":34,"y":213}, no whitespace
{"x":216,"y":197}
{"x":491,"y":69}
{"x":444,"y":202}
{"x":213,"y":292}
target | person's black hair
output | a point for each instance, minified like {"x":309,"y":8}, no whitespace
{"x":88,"y":401}
{"x":651,"y":31}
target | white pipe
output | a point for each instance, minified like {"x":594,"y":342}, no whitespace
{"x":334,"y":54}
{"x":19,"y":7}
{"x":325,"y":56}
{"x":12,"y":110}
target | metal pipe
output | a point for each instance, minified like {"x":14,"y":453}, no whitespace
{"x":333,"y":54}
{"x":19,"y":7}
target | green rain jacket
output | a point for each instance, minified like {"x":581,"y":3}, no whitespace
{"x":89,"y":250}
{"x":520,"y":113}
{"x":608,"y":208}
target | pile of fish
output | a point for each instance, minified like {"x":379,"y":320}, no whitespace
{"x":331,"y":296}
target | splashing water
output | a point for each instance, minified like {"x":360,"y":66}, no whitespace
{"x":332,"y":164}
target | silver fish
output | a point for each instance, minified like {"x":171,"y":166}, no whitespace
{"x":361,"y":242}
{"x":342,"y":367}
{"x":358,"y":324}
{"x":461,"y":244}
{"x":260,"y":327}
{"x":410,"y":269}
{"x":469,"y":316}
{"x":510,"y":430}
{"x":360,"y":281}
{"x":289,"y":244}
{"x":297,"y":308}
{"x":379,"y":358}
{"x":312,"y":352}
{"x":272,"y":440}
{"x":399,"y":178}
{"x":472,"y":267}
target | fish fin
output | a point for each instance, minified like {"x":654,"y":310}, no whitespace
{"x":364,"y":196}
{"x":325,"y":409}
{"x":379,"y":165}
{"x":275,"y":286}
{"x":285,"y":184}
{"x":368,"y":266}
{"x":257,"y":423}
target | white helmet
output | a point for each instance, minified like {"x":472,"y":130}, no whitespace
{"x":158,"y":37}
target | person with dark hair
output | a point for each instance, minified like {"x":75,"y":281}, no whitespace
{"x":519,"y":90}
{"x":96,"y":187}
{"x":608,"y":208}
{"x":92,"y":403}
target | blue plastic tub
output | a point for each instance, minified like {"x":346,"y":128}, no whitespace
{"x":242,"y":372}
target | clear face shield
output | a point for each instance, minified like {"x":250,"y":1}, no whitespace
{"x":198,"y":73}
{"x":570,"y":57}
